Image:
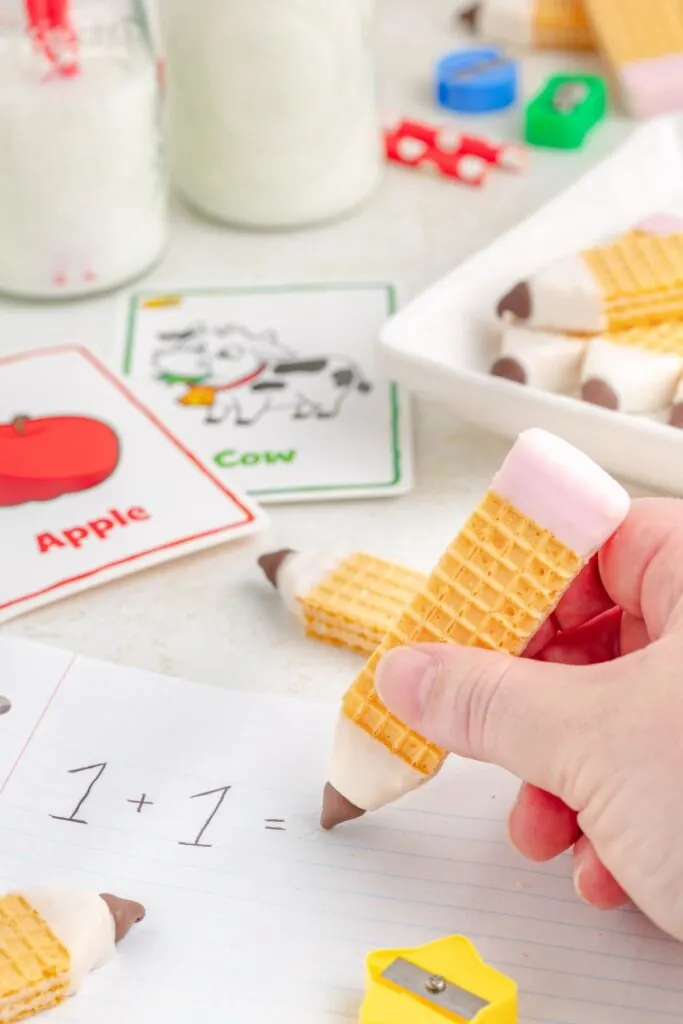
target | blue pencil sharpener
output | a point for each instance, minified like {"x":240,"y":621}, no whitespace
{"x":476,"y":81}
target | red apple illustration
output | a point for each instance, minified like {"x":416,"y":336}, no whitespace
{"x":44,"y":458}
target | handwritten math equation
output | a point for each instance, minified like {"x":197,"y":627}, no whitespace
{"x":141,"y":802}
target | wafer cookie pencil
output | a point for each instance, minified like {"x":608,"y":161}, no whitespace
{"x":50,"y":939}
{"x":643,"y":44}
{"x":547,"y":511}
{"x":634,"y":371}
{"x":533,"y":24}
{"x":634,"y":281}
{"x":348,"y":600}
{"x":540,"y":359}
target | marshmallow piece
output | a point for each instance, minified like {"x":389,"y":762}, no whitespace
{"x":561,"y":489}
{"x":541,"y":359}
{"x":629,"y":379}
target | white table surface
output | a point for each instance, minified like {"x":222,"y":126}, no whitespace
{"x":211,"y":617}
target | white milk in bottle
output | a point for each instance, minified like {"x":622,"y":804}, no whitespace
{"x":82,"y":190}
{"x":273,"y":118}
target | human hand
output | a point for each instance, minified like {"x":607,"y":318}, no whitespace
{"x":591,"y":717}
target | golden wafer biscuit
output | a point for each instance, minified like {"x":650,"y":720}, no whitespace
{"x":34,"y":965}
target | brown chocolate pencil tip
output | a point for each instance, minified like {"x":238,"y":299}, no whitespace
{"x":470,"y":17}
{"x":126,"y":913}
{"x":271,"y":562}
{"x":337,"y":809}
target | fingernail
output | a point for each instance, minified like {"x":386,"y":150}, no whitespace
{"x":404,"y":680}
{"x":577,"y":875}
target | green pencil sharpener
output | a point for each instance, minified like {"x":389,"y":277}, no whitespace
{"x":566,"y":109}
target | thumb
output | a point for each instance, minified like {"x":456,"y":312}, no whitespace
{"x":537,"y":720}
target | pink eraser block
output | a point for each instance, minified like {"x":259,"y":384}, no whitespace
{"x":654,"y":86}
{"x":562,"y":490}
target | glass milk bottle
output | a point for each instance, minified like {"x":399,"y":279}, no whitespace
{"x":272,"y":115}
{"x":83,"y":204}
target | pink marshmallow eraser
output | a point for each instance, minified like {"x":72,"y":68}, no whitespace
{"x":562,"y":490}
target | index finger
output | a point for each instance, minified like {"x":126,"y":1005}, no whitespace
{"x":641,"y":567}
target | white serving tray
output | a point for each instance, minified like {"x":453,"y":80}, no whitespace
{"x":445,"y":340}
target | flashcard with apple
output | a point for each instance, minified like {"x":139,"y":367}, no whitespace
{"x":92,"y":485}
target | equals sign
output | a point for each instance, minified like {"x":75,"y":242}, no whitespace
{"x":276,"y":824}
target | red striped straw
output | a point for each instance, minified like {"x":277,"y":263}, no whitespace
{"x":50,"y":26}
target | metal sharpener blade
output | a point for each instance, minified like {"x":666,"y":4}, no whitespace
{"x":568,"y":96}
{"x":450,"y":999}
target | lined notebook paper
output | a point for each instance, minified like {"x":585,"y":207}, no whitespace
{"x":203,"y":804}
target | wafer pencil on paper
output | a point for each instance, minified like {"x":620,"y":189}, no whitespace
{"x":643,"y":45}
{"x":347,"y":600}
{"x":548,"y":510}
{"x":634,"y":281}
{"x":50,"y":939}
{"x":535,"y":24}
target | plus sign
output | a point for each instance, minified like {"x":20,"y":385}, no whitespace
{"x":142,"y":802}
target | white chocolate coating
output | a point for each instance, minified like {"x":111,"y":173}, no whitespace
{"x":644,"y":382}
{"x":565,"y":297}
{"x":507,"y":21}
{"x":82,"y":922}
{"x":301,"y":572}
{"x":551,"y":362}
{"x":365,"y":772}
{"x":562,"y":490}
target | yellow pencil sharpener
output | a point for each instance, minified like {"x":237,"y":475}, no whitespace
{"x":444,"y":982}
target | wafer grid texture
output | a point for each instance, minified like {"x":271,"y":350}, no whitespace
{"x":495,"y":585}
{"x":34,"y":965}
{"x":355,"y":605}
{"x":561,"y":24}
{"x":632,"y":30}
{"x":640,"y":278}
{"x":665,"y":339}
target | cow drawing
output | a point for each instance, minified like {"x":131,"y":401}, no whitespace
{"x":241,"y":375}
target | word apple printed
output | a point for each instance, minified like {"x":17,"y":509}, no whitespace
{"x":276,"y":388}
{"x":92,"y":485}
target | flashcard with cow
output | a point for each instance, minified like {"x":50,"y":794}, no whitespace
{"x":277,"y":389}
{"x":92,"y":485}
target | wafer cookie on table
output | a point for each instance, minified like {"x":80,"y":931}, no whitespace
{"x":634,"y":281}
{"x":643,"y":44}
{"x":547,"y":511}
{"x":345,"y":599}
{"x":534,"y":24}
